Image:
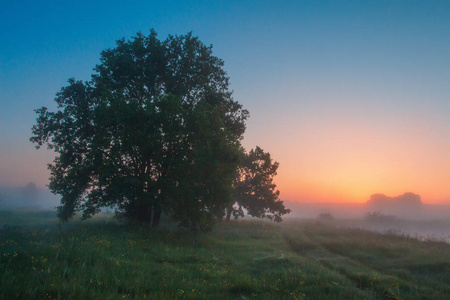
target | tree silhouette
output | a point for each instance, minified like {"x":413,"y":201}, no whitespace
{"x":156,"y":129}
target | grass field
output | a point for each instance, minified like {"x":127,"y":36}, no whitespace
{"x":105,"y":259}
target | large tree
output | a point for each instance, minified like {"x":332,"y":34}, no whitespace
{"x":156,"y":129}
{"x":254,"y":191}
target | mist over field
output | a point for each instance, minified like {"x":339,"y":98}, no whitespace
{"x":27,"y":197}
{"x":399,"y":215}
{"x":382,"y":214}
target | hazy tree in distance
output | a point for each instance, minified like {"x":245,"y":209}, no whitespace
{"x":30,"y":192}
{"x":156,"y":129}
{"x":254,"y":189}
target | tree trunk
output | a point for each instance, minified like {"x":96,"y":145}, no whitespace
{"x":140,"y":213}
{"x":156,"y":217}
{"x":229,"y":211}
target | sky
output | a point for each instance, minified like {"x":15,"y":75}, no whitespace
{"x":352,"y":98}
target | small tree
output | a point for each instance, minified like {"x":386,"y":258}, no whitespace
{"x":254,"y":189}
{"x":156,"y":129}
{"x":325,"y":216}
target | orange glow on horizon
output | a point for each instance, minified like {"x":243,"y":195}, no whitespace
{"x":338,"y":160}
{"x":326,"y":194}
{"x":352,"y":184}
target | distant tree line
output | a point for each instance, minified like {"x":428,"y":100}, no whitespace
{"x":154,"y":131}
{"x":406,"y":199}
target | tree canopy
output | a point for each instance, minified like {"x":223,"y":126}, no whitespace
{"x":155,"y":130}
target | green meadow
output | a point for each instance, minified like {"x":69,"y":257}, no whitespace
{"x":102,"y":258}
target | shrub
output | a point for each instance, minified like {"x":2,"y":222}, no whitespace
{"x":377,"y":216}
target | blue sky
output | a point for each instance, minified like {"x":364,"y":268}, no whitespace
{"x":330,"y":85}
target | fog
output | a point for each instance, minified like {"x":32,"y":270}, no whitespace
{"x":27,"y":197}
{"x":404,"y":214}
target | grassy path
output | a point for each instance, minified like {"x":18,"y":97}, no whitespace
{"x":379,"y":266}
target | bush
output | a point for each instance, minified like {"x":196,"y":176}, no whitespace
{"x":377,"y":216}
{"x":325,"y":216}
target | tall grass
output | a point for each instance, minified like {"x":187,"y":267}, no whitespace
{"x":105,"y":259}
